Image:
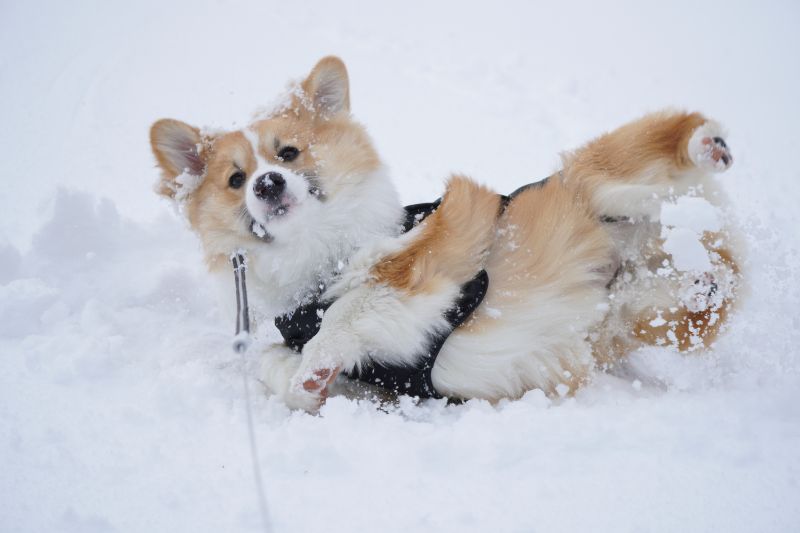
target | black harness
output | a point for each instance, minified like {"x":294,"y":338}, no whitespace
{"x":300,"y":326}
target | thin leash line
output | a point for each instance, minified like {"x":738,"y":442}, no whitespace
{"x":262,"y":498}
{"x":240,"y":345}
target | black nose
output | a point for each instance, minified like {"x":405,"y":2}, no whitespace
{"x":269,"y":186}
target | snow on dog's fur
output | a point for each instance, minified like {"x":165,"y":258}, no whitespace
{"x":305,"y":195}
{"x":651,"y":182}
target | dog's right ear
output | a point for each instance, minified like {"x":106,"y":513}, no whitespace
{"x":328,"y":87}
{"x":178,"y":147}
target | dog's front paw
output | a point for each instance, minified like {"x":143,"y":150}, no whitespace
{"x":708,"y":149}
{"x":318,"y":380}
{"x":303,"y":400}
{"x":308,"y":389}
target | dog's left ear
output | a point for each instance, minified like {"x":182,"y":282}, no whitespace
{"x":328,"y":87}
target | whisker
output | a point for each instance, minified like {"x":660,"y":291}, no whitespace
{"x":244,"y":216}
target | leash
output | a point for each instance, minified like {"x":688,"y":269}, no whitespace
{"x":241,"y":341}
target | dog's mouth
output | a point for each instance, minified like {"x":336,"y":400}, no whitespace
{"x":279,"y":209}
{"x":269,"y":210}
{"x":272,"y":210}
{"x":259,"y":231}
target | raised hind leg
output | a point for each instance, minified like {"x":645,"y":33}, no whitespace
{"x":630,"y":175}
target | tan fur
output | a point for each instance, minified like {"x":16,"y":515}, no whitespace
{"x":546,"y":250}
{"x":691,"y":330}
{"x":627,"y":152}
{"x":547,"y":236}
{"x":653,"y":151}
{"x":160,"y":133}
{"x":549,"y":244}
{"x":452,"y":242}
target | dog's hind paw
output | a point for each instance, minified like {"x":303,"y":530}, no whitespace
{"x":701,"y":294}
{"x":708,"y":149}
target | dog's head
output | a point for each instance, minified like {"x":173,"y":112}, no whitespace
{"x":276,"y":178}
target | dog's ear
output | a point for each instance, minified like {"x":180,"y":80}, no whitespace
{"x":178,"y":147}
{"x":328,"y":87}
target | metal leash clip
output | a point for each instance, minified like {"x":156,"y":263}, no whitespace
{"x":241,"y":341}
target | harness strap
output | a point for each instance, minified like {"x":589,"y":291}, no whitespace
{"x":507,"y":199}
{"x":416,"y":380}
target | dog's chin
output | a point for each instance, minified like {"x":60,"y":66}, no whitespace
{"x":258,"y":231}
{"x":271,"y":214}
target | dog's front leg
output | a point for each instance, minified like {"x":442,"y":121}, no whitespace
{"x":323,"y":359}
{"x":278,"y":368}
{"x":336,"y":345}
{"x":340,"y":343}
{"x":374,"y":322}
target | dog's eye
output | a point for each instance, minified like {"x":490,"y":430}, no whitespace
{"x":288,"y":154}
{"x":237,"y":179}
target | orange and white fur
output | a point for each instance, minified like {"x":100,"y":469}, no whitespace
{"x":303,"y":192}
{"x":651,"y":182}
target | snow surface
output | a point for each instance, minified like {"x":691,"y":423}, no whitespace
{"x":121,"y":402}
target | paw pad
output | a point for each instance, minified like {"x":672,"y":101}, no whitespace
{"x":717,"y":151}
{"x":320,"y":380}
{"x":708,"y":149}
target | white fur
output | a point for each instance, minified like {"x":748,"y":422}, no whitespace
{"x":643,"y":197}
{"x":295,"y":196}
{"x":360,"y":264}
{"x":296,"y":186}
{"x":373,"y":323}
{"x":524,"y":350}
{"x":315,"y":238}
{"x":700,"y":153}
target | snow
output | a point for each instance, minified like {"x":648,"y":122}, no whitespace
{"x":684,"y":221}
{"x":259,"y":230}
{"x":121,"y":401}
{"x":187,"y":183}
{"x":687,"y":251}
{"x":658,"y":321}
{"x":492,"y":312}
{"x":692,"y":213}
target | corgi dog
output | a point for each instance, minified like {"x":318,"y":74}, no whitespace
{"x":302,"y":192}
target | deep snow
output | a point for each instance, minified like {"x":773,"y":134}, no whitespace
{"x":121,"y":404}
